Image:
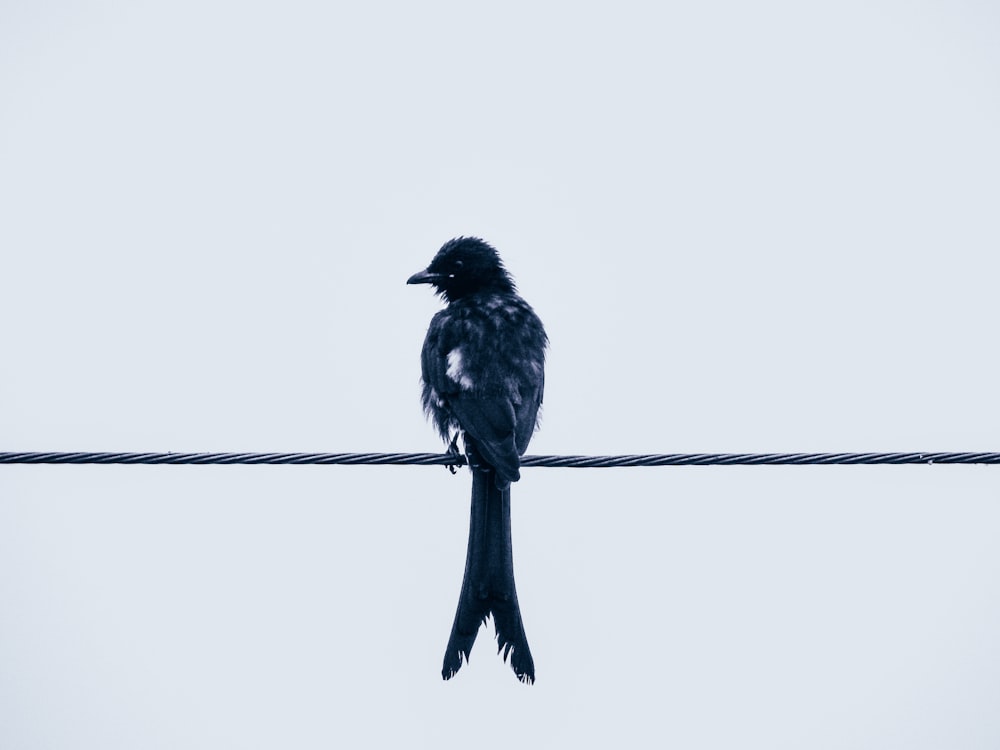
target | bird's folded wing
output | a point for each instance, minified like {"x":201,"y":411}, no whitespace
{"x":491,"y":423}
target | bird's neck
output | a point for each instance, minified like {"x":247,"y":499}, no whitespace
{"x":500,"y":286}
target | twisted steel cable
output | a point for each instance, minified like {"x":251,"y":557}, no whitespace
{"x":448,"y":459}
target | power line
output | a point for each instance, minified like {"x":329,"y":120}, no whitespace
{"x":447,"y":459}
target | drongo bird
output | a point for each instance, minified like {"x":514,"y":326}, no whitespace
{"x":483,"y":375}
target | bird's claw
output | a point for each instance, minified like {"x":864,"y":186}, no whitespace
{"x":455,"y":452}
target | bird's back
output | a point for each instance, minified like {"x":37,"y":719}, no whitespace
{"x":483,"y":370}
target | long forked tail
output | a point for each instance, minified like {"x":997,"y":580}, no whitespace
{"x":488,"y":585}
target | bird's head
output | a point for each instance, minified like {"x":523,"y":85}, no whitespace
{"x":464,"y":266}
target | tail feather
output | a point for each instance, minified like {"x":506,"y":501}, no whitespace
{"x":488,"y":585}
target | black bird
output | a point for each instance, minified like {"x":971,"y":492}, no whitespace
{"x":483,"y":375}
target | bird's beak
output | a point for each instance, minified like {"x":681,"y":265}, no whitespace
{"x":424,"y":277}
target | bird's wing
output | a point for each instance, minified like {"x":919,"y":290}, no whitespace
{"x":527,"y":412}
{"x":491,"y":422}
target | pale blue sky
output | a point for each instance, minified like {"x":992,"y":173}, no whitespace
{"x":747,"y":227}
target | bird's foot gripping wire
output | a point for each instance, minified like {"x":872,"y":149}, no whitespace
{"x":454,"y":452}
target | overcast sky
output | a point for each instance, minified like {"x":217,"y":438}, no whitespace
{"x":764,"y":226}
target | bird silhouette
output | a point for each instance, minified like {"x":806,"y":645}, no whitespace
{"x":483,"y":376}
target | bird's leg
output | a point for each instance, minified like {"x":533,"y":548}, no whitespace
{"x":453,"y":451}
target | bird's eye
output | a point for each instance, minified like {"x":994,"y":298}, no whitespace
{"x":458,"y":264}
